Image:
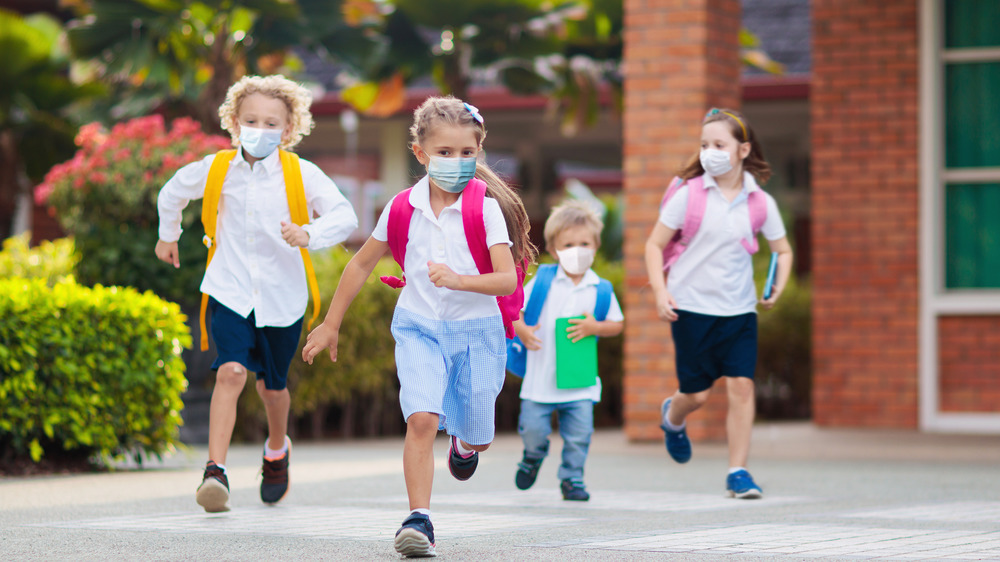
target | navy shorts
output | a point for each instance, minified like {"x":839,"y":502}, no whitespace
{"x":267,"y":351}
{"x":709,"y":347}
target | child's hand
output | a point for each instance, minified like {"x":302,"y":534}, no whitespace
{"x":319,"y":339}
{"x":768,"y":304}
{"x":294,"y":234}
{"x":442,"y":276}
{"x":527,"y":335}
{"x":167,"y":251}
{"x":582,"y":327}
{"x":665,"y":305}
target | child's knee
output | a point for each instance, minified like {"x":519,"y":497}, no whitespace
{"x":231,"y":374}
{"x":422,"y":423}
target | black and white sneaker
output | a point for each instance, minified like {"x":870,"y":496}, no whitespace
{"x":462,"y":468}
{"x":213,"y":494}
{"x":415,"y":538}
{"x":274,"y":484}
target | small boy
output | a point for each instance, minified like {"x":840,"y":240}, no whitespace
{"x":256,"y":280}
{"x":572,"y":235}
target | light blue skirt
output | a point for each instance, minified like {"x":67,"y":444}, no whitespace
{"x":453,"y":368}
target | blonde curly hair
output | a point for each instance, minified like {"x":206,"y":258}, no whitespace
{"x":297,"y":100}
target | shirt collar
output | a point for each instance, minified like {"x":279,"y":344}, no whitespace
{"x":271,"y":163}
{"x":749,"y":183}
{"x":589,"y":278}
{"x":420,"y":197}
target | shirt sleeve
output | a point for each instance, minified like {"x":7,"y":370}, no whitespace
{"x":336,"y":219}
{"x":672,"y":214}
{"x":615,"y":310}
{"x":496,"y":226}
{"x":773,"y":228}
{"x":186,"y":184}
{"x":381,"y":232}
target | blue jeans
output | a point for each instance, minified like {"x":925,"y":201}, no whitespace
{"x":576,"y":425}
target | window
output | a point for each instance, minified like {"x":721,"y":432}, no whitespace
{"x":971,"y":88}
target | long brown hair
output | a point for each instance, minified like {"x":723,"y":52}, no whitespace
{"x":740,"y":128}
{"x":452,"y":111}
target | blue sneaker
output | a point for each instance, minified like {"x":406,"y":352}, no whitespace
{"x":678,"y":444}
{"x":741,"y":485}
{"x":416,"y":537}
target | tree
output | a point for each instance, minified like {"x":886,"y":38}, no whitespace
{"x":36,"y":130}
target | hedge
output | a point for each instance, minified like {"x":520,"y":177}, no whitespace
{"x":88,"y":371}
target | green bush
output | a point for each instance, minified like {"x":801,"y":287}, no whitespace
{"x":52,"y":261}
{"x":360,"y":390}
{"x":88,"y":371}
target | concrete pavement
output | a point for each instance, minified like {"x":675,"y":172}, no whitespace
{"x":829,"y":494}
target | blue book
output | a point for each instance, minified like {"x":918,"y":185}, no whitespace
{"x":772,"y":270}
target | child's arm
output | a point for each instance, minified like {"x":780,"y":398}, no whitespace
{"x":590,"y":326}
{"x":186,"y":184}
{"x":527,"y":333}
{"x":657,"y":241}
{"x":503,"y":280}
{"x":355,"y":274}
{"x":785,"y":259}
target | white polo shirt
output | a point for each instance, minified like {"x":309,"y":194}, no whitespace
{"x":714,"y":275}
{"x":254,"y":269}
{"x":441,"y":239}
{"x":563,"y":300}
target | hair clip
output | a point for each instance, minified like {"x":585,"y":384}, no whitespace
{"x":474,"y":111}
{"x":711,"y":112}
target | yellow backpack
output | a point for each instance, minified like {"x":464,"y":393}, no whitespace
{"x":296,"y":193}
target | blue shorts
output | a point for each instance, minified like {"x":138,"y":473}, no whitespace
{"x":709,"y":347}
{"x":267,"y":351}
{"x":452,"y":368}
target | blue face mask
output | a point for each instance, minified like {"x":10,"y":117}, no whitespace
{"x":259,"y":142}
{"x":451,"y":174}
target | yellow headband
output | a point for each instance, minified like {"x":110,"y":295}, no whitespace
{"x":713,"y":111}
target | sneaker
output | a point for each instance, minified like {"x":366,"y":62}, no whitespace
{"x":527,"y":472}
{"x":213,"y":494}
{"x":678,"y":444}
{"x":462,"y":468}
{"x":574,"y":491}
{"x":416,"y":537}
{"x":274,"y":484}
{"x":740,"y":484}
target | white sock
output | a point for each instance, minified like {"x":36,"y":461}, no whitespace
{"x":275,"y":453}
{"x":736,"y":469}
{"x":670,"y":426}
{"x":461,"y":448}
{"x":422,"y":510}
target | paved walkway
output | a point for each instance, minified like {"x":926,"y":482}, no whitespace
{"x":829,"y":494}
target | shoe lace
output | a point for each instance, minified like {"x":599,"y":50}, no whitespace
{"x":274,"y":471}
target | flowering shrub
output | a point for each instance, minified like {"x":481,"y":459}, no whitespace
{"x":106,"y":198}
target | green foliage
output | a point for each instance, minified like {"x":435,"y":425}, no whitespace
{"x":51,"y":261}
{"x":95,"y":371}
{"x":784,"y":348}
{"x":106,"y":198}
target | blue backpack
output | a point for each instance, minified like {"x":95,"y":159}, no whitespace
{"x":517,"y":354}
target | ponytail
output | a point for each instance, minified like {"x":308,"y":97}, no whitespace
{"x":513,"y":213}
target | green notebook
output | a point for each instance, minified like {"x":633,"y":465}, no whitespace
{"x":576,"y":363}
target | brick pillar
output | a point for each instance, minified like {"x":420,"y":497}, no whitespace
{"x":865,"y":212}
{"x":681,"y":57}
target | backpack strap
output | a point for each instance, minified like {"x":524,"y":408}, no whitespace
{"x":697,"y":200}
{"x":603,"y":304}
{"x":757,"y":207}
{"x":295,"y":191}
{"x":398,"y":234}
{"x":543,"y":281}
{"x":209,"y":218}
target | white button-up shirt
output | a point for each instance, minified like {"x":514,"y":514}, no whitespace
{"x":563,"y":300}
{"x":441,"y":239}
{"x":254,"y":269}
{"x":714,"y":275}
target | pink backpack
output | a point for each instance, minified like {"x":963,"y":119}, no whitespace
{"x":398,"y":230}
{"x":697,"y":199}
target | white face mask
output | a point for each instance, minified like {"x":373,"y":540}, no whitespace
{"x":259,"y":142}
{"x":715,"y":162}
{"x":576,"y":260}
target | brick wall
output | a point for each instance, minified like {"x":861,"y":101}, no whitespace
{"x":864,"y":212}
{"x":681,"y":57}
{"x":969,"y":362}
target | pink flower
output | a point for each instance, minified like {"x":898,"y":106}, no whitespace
{"x":42,"y":192}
